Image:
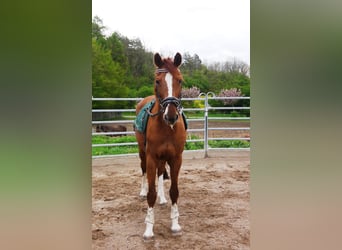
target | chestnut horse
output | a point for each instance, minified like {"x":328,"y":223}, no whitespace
{"x":164,"y":139}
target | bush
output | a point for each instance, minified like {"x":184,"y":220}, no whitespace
{"x":233,"y":92}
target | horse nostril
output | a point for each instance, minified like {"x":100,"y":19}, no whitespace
{"x":171,"y":120}
{"x":176,"y":118}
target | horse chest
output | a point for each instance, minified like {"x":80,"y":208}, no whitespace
{"x":166,"y":145}
{"x":167,"y":151}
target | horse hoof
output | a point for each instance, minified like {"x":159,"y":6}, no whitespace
{"x":176,"y":232}
{"x":143,"y":194}
{"x":176,"y":229}
{"x":148,"y":238}
{"x":163,"y":203}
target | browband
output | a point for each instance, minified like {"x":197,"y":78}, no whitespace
{"x":161,"y":70}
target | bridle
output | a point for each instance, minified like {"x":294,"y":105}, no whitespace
{"x":166,"y":101}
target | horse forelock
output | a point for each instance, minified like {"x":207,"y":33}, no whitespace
{"x":168,"y":64}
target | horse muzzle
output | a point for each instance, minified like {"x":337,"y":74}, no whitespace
{"x":170,"y":120}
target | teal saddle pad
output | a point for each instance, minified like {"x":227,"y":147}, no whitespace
{"x":141,"y":120}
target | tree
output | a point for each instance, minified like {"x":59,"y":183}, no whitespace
{"x":97,"y":30}
{"x":107,"y":75}
{"x":191,"y":63}
{"x":145,"y":91}
{"x":114,"y":44}
{"x":235,"y":66}
{"x":140,"y":62}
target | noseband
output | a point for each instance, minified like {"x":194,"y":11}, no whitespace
{"x":168,"y":100}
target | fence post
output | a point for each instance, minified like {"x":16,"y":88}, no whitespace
{"x":206,"y":108}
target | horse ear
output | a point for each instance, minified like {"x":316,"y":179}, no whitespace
{"x":158,"y":60}
{"x":177,"y":60}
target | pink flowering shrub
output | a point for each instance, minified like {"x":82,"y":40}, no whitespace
{"x":192,"y":92}
{"x":233,"y":92}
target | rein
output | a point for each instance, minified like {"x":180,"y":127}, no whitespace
{"x":166,"y":101}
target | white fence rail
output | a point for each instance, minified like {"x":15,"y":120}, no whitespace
{"x":204,"y":130}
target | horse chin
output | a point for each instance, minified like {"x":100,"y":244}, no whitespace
{"x":170,"y":120}
{"x":170,"y":124}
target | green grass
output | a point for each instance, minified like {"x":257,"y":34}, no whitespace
{"x":200,"y":114}
{"x":194,"y":145}
{"x":229,"y":144}
{"x":115,"y":150}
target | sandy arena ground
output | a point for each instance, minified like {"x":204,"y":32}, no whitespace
{"x":213,"y":204}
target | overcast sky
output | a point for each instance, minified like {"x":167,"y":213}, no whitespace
{"x":216,"y":30}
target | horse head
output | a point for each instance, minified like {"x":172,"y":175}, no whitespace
{"x":168,"y":87}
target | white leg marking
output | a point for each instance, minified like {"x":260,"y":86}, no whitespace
{"x":144,"y":186}
{"x":175,"y":227}
{"x":161,"y":193}
{"x":149,"y":220}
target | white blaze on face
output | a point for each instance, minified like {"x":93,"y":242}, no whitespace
{"x":169,"y":80}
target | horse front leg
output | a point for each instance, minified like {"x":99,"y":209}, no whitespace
{"x":161,"y":175}
{"x":144,"y":185}
{"x":174,"y":193}
{"x":142,"y":154}
{"x":151,"y":198}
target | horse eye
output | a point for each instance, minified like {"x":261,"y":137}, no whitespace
{"x":157,"y":82}
{"x":180,"y":81}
